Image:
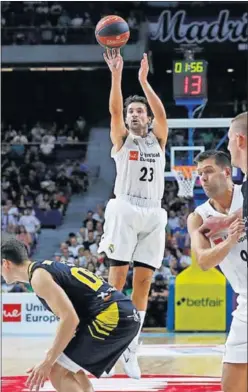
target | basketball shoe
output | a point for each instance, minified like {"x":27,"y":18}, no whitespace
{"x":130,"y":363}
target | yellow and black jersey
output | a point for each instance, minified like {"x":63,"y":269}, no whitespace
{"x":89,"y":293}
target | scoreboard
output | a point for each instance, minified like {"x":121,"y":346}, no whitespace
{"x":190,"y":79}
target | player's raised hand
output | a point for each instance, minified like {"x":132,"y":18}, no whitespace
{"x":144,"y":69}
{"x":114,"y":60}
{"x":236,"y":229}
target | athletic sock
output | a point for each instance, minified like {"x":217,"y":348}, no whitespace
{"x":142,"y":314}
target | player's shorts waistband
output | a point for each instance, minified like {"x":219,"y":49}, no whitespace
{"x":138,"y":201}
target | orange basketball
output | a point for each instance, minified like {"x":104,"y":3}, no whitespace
{"x":112,"y":32}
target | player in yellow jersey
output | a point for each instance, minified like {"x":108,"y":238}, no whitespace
{"x":97,"y":322}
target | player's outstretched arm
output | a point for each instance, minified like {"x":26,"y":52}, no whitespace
{"x":206,"y":256}
{"x":118,"y":131}
{"x":160,"y":126}
{"x":45,"y":287}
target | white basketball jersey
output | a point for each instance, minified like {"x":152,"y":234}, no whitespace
{"x":140,"y":165}
{"x":234,"y":266}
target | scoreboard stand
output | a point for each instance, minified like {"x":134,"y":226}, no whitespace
{"x":190,"y":91}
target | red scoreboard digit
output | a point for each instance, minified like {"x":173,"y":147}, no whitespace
{"x":192,"y":85}
{"x":189,"y":79}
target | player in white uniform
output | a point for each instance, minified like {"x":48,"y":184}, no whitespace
{"x":228,"y":249}
{"x":134,"y":229}
{"x":238,"y":147}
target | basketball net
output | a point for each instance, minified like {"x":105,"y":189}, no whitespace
{"x":186,"y":177}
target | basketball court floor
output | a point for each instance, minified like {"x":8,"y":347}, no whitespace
{"x":170,"y":363}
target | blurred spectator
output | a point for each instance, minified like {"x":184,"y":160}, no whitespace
{"x":64,"y":19}
{"x":159,"y":289}
{"x":37,"y":132}
{"x":63,"y":182}
{"x":31,"y":223}
{"x":157,"y":306}
{"x":81,"y":236}
{"x":185,"y":259}
{"x":86,"y":257}
{"x":89,"y":216}
{"x":163,"y":271}
{"x":72,"y":138}
{"x":20,"y":139}
{"x":99,"y":214}
{"x":25,"y":237}
{"x":87,"y":19}
{"x":46,"y":146}
{"x":6,"y":218}
{"x":82,"y":257}
{"x":60,"y":35}
{"x":56,"y":8}
{"x":94,"y":247}
{"x":89,"y":227}
{"x":11,"y":204}
{"x":99,"y":229}
{"x":181,"y":234}
{"x":173,"y":221}
{"x":77,"y":21}
{"x":175,"y":266}
{"x":167,"y":257}
{"x":67,"y":257}
{"x":46,"y":32}
{"x":74,"y":247}
{"x":57,"y":257}
{"x":90,"y":240}
{"x":132,"y":21}
{"x":80,"y":127}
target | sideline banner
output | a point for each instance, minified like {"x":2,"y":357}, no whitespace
{"x":200,"y":300}
{"x":23,"y":313}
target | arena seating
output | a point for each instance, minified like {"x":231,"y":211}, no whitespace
{"x":66,"y":22}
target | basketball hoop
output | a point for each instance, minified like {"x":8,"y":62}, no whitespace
{"x":186,"y":177}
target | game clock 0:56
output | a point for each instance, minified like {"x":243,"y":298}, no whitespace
{"x":189,"y":79}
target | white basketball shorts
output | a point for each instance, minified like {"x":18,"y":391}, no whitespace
{"x":134,"y":233}
{"x":236,"y":344}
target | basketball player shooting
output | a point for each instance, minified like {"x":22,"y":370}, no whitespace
{"x":134,"y":229}
{"x":96,"y":322}
{"x":227,"y":248}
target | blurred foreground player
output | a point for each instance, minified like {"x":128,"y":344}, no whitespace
{"x":228,"y":249}
{"x":238,"y":147}
{"x":96,"y":325}
{"x":134,"y":229}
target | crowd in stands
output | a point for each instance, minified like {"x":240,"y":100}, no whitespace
{"x":37,"y":182}
{"x":81,"y":248}
{"x":57,"y":22}
{"x":45,"y":134}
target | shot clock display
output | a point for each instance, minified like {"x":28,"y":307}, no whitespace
{"x":189,"y":79}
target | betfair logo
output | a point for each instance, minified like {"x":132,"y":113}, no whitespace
{"x":204,"y":302}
